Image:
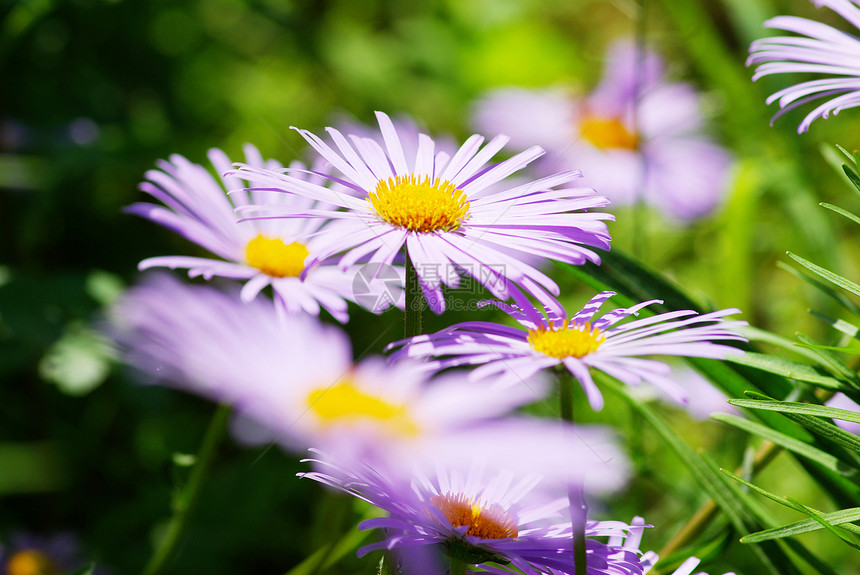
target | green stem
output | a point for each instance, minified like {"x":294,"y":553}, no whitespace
{"x":415,"y":303}
{"x":457,"y":567}
{"x":187,"y":497}
{"x":575,"y":495}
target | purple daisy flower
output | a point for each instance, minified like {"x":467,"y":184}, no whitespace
{"x":818,"y":49}
{"x":508,"y":355}
{"x":295,"y":376}
{"x":447,"y":211}
{"x":635,"y":137}
{"x":264,"y":252}
{"x":499,"y":518}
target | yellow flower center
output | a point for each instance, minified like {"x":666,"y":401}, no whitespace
{"x":344,"y":403}
{"x":605,"y":133}
{"x":486,"y":522}
{"x":575,"y":341}
{"x":29,"y":562}
{"x":275,"y":257}
{"x":420,"y":205}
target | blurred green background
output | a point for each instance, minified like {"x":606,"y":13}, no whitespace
{"x":93,"y":92}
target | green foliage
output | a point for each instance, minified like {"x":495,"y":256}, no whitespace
{"x":84,"y":448}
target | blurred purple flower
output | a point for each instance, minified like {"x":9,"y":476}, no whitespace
{"x":262,"y":252}
{"x":507,"y":355}
{"x":484,"y":514}
{"x":703,"y":397}
{"x":842,"y":401}
{"x":27,"y":554}
{"x":296,"y":377}
{"x":818,"y":49}
{"x":635,"y":137}
{"x":447,"y":211}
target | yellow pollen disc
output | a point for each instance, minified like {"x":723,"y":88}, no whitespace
{"x":29,"y":562}
{"x":490,"y":522}
{"x":574,"y":341}
{"x":420,"y":205}
{"x":344,"y":403}
{"x":275,"y":257}
{"x":605,"y":133}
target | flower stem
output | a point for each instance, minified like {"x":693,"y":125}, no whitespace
{"x":457,"y":567}
{"x":414,"y":308}
{"x":187,"y":497}
{"x":575,"y":495}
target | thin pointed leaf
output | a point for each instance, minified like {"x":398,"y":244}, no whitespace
{"x":796,"y":407}
{"x":788,"y":368}
{"x":845,"y":152}
{"x":726,"y":377}
{"x":852,"y":176}
{"x":799,"y":447}
{"x":832,"y":364}
{"x":824,"y":288}
{"x":819,"y":518}
{"x":836,"y":279}
{"x":851,"y":350}
{"x":757,"y":334}
{"x":843,"y":517}
{"x":843,"y":326}
{"x":772,"y":557}
{"x":841,"y":212}
{"x":766,"y":517}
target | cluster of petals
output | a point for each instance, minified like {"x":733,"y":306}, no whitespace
{"x":649,"y":559}
{"x":196,"y":205}
{"x":295,"y":377}
{"x":482,"y":228}
{"x":507,"y":355}
{"x":487,"y":513}
{"x":816,"y":49}
{"x":636,"y":136}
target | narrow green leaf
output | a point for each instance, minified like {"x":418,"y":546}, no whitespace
{"x":787,"y":368}
{"x":851,"y":350}
{"x":824,"y":288}
{"x":764,"y":336}
{"x":799,"y":447}
{"x":799,"y":408}
{"x":832,"y":363}
{"x":328,"y":555}
{"x":819,"y":518}
{"x":836,"y":279}
{"x":841,"y":212}
{"x":87,"y":569}
{"x":845,"y":152}
{"x":766,"y":518}
{"x":852,"y":176}
{"x":726,"y":377}
{"x":818,"y":426}
{"x":772,"y":557}
{"x":844,"y":516}
{"x":848,"y":329}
